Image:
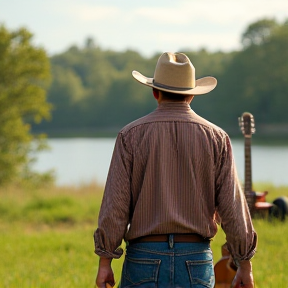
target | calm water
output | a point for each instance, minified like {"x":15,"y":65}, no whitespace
{"x":82,"y":160}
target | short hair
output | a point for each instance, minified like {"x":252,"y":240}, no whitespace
{"x":174,"y":96}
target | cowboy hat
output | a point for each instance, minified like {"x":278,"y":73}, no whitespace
{"x":175,"y":73}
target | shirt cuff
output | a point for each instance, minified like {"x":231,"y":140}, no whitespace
{"x":101,"y":249}
{"x":249,"y":255}
{"x":106,"y":254}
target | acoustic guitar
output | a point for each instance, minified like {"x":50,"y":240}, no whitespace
{"x":256,"y":200}
{"x":247,"y":125}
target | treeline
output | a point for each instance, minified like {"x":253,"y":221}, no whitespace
{"x":92,"y":90}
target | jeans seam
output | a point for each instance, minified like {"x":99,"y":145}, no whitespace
{"x":145,"y":261}
{"x":169,"y":252}
{"x":198,"y":280}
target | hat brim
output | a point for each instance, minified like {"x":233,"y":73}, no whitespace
{"x":203,"y":85}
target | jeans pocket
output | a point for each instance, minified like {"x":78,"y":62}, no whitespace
{"x":201,"y":273}
{"x":140,"y":271}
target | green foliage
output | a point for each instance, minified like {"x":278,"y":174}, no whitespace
{"x":256,"y":77}
{"x":259,"y":32}
{"x":47,"y":258}
{"x":50,"y":206}
{"x":24,"y":78}
{"x":271,"y":255}
{"x":92,"y":89}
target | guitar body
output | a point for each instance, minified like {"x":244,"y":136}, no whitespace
{"x":224,"y":270}
{"x":224,"y":274}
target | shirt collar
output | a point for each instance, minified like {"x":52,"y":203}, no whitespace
{"x":175,"y":106}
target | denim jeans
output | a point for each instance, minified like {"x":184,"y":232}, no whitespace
{"x":168,"y":265}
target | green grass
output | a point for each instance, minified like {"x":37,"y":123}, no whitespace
{"x":46,"y":239}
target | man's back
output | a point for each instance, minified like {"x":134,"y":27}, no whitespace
{"x":175,"y":157}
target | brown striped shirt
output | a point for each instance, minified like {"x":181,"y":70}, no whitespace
{"x":173,"y":172}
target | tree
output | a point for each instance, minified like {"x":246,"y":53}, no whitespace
{"x":67,"y":95}
{"x":258,"y":32}
{"x":257,"y":77}
{"x":24,"y":78}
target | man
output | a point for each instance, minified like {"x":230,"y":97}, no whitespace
{"x":171,"y":173}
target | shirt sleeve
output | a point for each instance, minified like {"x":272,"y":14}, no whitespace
{"x":233,"y":209}
{"x":114,"y":212}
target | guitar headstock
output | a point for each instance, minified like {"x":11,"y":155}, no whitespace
{"x":247,"y":124}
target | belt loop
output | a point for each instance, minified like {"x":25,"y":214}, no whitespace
{"x":171,"y":241}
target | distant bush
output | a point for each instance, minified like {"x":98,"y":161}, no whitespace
{"x":51,"y":206}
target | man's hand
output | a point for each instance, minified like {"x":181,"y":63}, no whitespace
{"x":105,"y":273}
{"x":244,"y":276}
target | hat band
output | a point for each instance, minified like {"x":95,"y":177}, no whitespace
{"x":170,"y":87}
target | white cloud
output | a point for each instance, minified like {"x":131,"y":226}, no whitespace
{"x":93,"y":13}
{"x":193,"y":41}
{"x":220,"y":11}
{"x":147,"y":26}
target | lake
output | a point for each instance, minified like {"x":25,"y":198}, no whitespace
{"x":82,"y":160}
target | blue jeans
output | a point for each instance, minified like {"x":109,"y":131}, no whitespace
{"x":168,"y":265}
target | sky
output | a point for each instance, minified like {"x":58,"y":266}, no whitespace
{"x":149,"y":27}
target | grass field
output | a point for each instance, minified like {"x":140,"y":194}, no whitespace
{"x":46,"y":239}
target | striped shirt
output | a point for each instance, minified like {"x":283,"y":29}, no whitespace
{"x":173,"y":172}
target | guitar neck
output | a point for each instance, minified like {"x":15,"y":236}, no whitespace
{"x":248,"y":173}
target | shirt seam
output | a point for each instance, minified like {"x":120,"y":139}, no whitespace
{"x":125,"y":130}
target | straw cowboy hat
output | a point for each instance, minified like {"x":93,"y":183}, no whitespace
{"x":175,"y":73}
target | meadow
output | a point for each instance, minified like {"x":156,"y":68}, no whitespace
{"x":46,"y":239}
